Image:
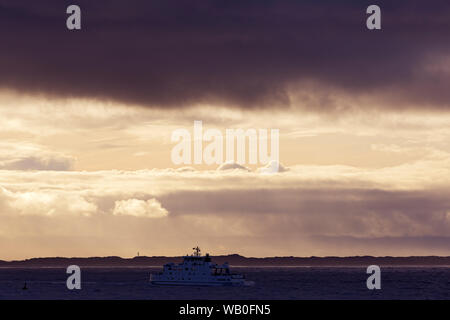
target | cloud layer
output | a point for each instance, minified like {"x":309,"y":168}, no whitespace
{"x":76,"y":143}
{"x":242,"y":53}
{"x":323,"y":210}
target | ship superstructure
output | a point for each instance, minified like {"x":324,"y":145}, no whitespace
{"x":197,"y":270}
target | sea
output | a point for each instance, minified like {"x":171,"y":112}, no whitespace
{"x":266,"y":283}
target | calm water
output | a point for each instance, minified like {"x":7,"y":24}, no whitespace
{"x":270,"y":283}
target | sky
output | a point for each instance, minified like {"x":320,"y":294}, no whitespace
{"x":87,"y":119}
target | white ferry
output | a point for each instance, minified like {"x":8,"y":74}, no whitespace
{"x":196,"y":270}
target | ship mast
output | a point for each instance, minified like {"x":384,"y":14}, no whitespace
{"x":196,"y":251}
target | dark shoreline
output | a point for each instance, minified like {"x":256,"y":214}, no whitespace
{"x":236,"y":260}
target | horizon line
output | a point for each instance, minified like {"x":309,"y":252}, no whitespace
{"x":224,"y":255}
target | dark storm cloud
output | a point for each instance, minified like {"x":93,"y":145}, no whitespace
{"x":243,"y":53}
{"x":388,"y":245}
{"x":322,"y":212}
{"x":38,"y":163}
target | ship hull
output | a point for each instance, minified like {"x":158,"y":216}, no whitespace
{"x":194,"y":283}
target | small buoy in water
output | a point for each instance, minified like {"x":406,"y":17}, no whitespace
{"x":25,"y":286}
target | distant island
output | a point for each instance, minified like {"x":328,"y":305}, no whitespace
{"x":234,"y":260}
